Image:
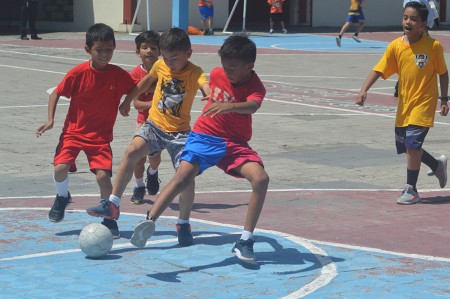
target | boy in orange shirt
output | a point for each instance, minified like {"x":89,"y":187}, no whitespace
{"x":276,"y":14}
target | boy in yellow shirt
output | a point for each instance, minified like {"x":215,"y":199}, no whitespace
{"x":416,"y":58}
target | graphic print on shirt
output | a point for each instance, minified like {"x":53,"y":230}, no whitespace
{"x":421,"y":60}
{"x":173,"y":93}
{"x":224,"y":96}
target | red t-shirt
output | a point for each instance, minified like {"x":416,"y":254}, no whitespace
{"x":230,"y":125}
{"x":94,"y":100}
{"x":138,"y":73}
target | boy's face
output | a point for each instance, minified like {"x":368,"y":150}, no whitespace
{"x":148,"y":52}
{"x":412,"y":23}
{"x":176,"y":60}
{"x":101,"y":54}
{"x":237,"y":71}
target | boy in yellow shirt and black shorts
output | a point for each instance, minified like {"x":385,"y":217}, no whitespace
{"x":416,"y":58}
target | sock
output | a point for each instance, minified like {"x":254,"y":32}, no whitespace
{"x":412,"y":177}
{"x":62,"y":188}
{"x":151,"y":171}
{"x":182,"y":221}
{"x":115,"y":200}
{"x":150,"y":217}
{"x":139,"y":182}
{"x":429,"y":160}
{"x":246,"y":235}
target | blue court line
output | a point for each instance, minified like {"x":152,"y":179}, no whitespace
{"x":301,"y":42}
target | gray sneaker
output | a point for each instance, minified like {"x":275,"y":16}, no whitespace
{"x":338,"y":41}
{"x":409,"y":196}
{"x":441,"y":171}
{"x":142,"y":233}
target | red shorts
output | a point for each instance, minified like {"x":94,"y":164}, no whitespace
{"x":99,"y":155}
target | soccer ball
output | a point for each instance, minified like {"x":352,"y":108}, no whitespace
{"x":95,"y":240}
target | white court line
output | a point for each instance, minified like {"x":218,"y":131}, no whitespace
{"x":327,"y":273}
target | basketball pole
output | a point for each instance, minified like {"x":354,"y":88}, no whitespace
{"x":231,"y":15}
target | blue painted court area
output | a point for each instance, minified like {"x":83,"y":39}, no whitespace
{"x":301,"y":42}
{"x":40,"y":259}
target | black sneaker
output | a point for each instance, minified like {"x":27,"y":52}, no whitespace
{"x":243,"y":250}
{"x":138,"y":195}
{"x":56,"y":213}
{"x":113,"y":228}
{"x":152,"y":183}
{"x":184,"y":234}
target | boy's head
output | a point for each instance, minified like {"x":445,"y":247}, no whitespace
{"x":147,"y":47}
{"x":100,"y":44}
{"x":415,"y":15}
{"x":175,"y":47}
{"x":238,"y":56}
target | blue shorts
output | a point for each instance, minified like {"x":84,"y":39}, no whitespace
{"x":207,"y":150}
{"x":410,"y":137}
{"x":356,"y":18}
{"x":206,"y":12}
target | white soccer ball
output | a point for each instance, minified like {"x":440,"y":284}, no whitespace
{"x":95,"y":240}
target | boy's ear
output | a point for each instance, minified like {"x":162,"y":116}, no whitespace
{"x":87,"y":49}
{"x":189,"y":53}
{"x":250,"y":66}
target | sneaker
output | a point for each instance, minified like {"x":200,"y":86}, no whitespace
{"x":142,"y":233}
{"x":243,"y":250}
{"x":138,"y":195}
{"x":441,"y":171}
{"x":106,"y":209}
{"x":338,"y":41}
{"x":152,"y":183}
{"x":184,"y":234}
{"x":56,"y":213}
{"x":409,"y":196}
{"x":271,"y":31}
{"x":356,"y":39}
{"x":284,"y":31}
{"x":112,"y":226}
{"x":210,"y":32}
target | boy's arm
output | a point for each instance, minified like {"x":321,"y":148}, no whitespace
{"x":443,"y":81}
{"x":139,"y":89}
{"x":206,"y":91}
{"x":141,"y":105}
{"x":371,"y":79}
{"x":217,"y":107}
{"x":52,"y":102}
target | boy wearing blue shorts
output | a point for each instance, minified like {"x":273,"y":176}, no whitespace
{"x":206,"y":9}
{"x":416,"y":58}
{"x":355,"y":15}
{"x":220,"y":137}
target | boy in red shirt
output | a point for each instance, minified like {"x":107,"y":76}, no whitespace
{"x":220,"y":137}
{"x":95,"y":88}
{"x":147,"y":49}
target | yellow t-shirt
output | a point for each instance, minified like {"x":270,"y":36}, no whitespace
{"x":355,"y":7}
{"x":174,"y":95}
{"x":417,"y":66}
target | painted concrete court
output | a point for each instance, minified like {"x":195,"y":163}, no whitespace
{"x":330,"y":227}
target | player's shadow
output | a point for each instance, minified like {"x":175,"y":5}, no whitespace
{"x":199,"y":207}
{"x":279,"y":256}
{"x":436,"y":200}
{"x":75,"y":232}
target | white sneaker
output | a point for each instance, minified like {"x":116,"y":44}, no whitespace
{"x":284,"y":31}
{"x":271,"y":31}
{"x":142,"y":233}
{"x":441,"y":171}
{"x":356,"y":39}
{"x":409,"y":196}
{"x":338,"y":41}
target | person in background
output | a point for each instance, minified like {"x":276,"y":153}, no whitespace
{"x":28,"y":12}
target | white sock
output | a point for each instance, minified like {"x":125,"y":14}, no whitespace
{"x":139,"y":182}
{"x":62,"y":188}
{"x":151,"y":171}
{"x":182,"y":221}
{"x":246,"y":235}
{"x":115,"y":200}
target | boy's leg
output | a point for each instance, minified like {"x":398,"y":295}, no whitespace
{"x":152,"y":174}
{"x":135,"y":151}
{"x":183,"y":178}
{"x":358,"y":30}
{"x":186,"y":200}
{"x":139,"y":186}
{"x":103,"y":178}
{"x":63,"y":198}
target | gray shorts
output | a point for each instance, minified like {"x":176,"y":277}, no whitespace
{"x":158,"y":140}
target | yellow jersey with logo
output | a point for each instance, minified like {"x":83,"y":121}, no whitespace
{"x":355,"y":7}
{"x":417,"y":66}
{"x":174,"y":95}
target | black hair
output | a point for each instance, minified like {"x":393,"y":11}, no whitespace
{"x":421,"y":9}
{"x":238,"y":47}
{"x":99,"y":32}
{"x":149,"y":37}
{"x":175,"y":39}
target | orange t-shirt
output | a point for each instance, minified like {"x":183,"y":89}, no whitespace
{"x":276,"y":6}
{"x":208,"y":3}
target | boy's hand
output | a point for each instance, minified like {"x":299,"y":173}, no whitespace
{"x":218,"y":108}
{"x":45,"y":127}
{"x":124,"y":108}
{"x":444,"y":108}
{"x":361,"y":98}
